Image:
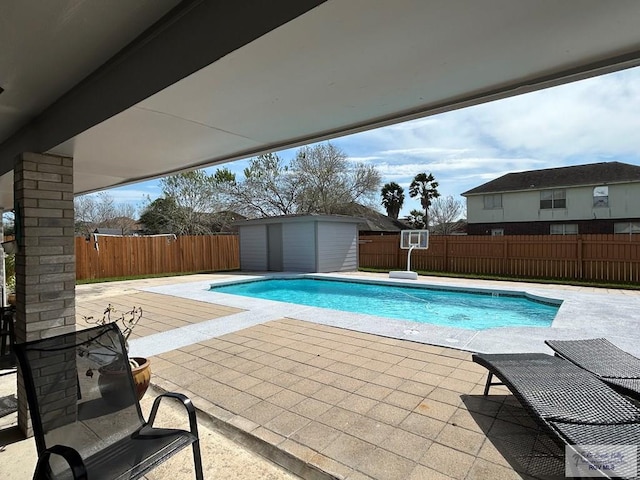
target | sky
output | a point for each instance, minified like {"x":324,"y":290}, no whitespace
{"x":594,"y":120}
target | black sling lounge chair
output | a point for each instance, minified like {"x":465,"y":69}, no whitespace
{"x":86,"y":417}
{"x":573,"y":406}
{"x":614,"y":366}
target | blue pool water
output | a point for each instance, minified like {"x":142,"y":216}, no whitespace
{"x":475,"y":311}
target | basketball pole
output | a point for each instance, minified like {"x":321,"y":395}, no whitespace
{"x":409,"y":258}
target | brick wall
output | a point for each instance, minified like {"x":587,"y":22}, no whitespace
{"x":45,"y":262}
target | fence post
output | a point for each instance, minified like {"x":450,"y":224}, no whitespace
{"x":446,"y":254}
{"x":579,"y":254}
{"x":505,"y":254}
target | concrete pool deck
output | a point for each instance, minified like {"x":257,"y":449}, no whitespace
{"x":327,"y":401}
{"x":586,"y":312}
{"x":328,"y":394}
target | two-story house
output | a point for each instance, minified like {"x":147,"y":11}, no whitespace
{"x":595,"y":198}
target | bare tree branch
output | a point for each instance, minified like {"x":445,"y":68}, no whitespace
{"x":444,"y":213}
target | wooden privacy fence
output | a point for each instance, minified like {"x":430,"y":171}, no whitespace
{"x":128,"y":256}
{"x":609,"y":258}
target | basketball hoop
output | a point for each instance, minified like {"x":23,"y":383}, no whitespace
{"x":410,"y":240}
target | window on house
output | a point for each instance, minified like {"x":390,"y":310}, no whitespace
{"x":497,"y":232}
{"x":601,"y":196}
{"x":626,"y":227}
{"x":564,"y":229}
{"x":553,"y":199}
{"x":493,"y":201}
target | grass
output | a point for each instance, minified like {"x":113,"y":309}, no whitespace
{"x":142,"y":277}
{"x":551,"y":281}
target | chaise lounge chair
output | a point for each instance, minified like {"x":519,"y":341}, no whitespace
{"x":572,"y":405}
{"x":614,"y":366}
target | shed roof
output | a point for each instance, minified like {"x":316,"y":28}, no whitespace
{"x":299,"y":219}
{"x":579,"y":175}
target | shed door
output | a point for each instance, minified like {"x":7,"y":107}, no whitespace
{"x":274,"y":247}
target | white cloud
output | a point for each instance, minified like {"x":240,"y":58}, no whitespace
{"x":130,"y":195}
{"x":425,"y":152}
{"x":593,"y":118}
{"x":365,"y":159}
{"x":134,"y":196}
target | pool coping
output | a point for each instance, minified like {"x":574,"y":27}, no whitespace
{"x":602,"y":313}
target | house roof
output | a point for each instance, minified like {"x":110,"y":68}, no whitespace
{"x":134,"y":90}
{"x":374,"y":221}
{"x":579,"y":175}
{"x":108,"y":231}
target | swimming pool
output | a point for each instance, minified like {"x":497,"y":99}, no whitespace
{"x":469,"y":310}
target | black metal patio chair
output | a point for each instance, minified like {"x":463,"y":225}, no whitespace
{"x":572,"y":405}
{"x":87,"y":420}
{"x":617,"y":368}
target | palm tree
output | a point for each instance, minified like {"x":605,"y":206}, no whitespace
{"x":416,"y":219}
{"x":425,"y":187}
{"x":393,"y":199}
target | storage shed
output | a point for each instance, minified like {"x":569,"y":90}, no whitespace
{"x":299,"y":243}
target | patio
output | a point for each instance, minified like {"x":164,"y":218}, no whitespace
{"x":355,"y":405}
{"x":74,"y":129}
{"x":327,"y":402}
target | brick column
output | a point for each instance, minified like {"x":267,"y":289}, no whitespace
{"x":45,"y":262}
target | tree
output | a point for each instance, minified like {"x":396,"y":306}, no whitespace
{"x":444,"y":213}
{"x":329,"y":182}
{"x":191,"y":198}
{"x":224,"y":175}
{"x":425,"y":187}
{"x":87,"y":212}
{"x":159,"y":215}
{"x":415,"y":219}
{"x":319,"y":180}
{"x":267,"y":190}
{"x":101,"y":210}
{"x":124,"y":219}
{"x":392,"y":199}
{"x":8,"y":223}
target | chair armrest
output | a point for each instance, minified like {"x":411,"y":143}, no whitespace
{"x":186,"y":402}
{"x":72,"y":457}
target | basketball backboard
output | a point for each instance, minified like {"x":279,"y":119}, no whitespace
{"x":414,"y":238}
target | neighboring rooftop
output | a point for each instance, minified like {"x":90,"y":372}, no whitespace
{"x":591,"y":174}
{"x":108,"y":231}
{"x":373,"y":221}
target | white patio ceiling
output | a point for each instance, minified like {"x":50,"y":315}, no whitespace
{"x":218,"y":81}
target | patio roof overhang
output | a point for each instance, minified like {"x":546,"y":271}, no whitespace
{"x":136,"y":90}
